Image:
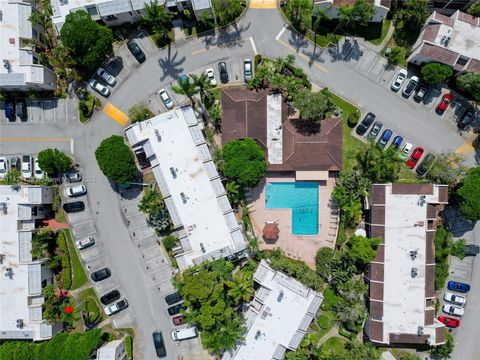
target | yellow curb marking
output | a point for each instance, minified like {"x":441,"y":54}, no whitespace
{"x":115,"y":113}
{"x":466,"y":148}
{"x":263,"y":4}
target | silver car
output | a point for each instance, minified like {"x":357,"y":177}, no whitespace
{"x":399,"y":79}
{"x":106,"y":76}
{"x":247,"y":70}
{"x":166,"y":99}
{"x":100,"y":88}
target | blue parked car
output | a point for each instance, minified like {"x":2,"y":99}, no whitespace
{"x":387,"y":134}
{"x":458,"y":286}
{"x":9,"y":112}
{"x":397,"y":141}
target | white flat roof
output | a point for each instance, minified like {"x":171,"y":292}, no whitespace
{"x":464,"y":38}
{"x":25,"y":281}
{"x":195,"y":196}
{"x":278,"y":317}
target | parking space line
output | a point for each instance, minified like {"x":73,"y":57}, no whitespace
{"x":373,"y":64}
{"x":37,"y":139}
{"x":281,"y":32}
{"x":253,"y":46}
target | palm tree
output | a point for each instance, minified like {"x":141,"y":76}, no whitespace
{"x":277,"y":82}
{"x":322,"y":16}
{"x":289,"y":60}
{"x":202,"y":83}
{"x":156,"y":17}
{"x":234,"y":193}
{"x":186,"y":87}
{"x":240,"y":287}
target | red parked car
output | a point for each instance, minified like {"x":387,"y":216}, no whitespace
{"x":178,"y":320}
{"x":446,"y":100}
{"x":449,"y":322}
{"x":416,"y":155}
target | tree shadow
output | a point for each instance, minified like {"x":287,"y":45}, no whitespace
{"x":171,"y":65}
{"x":115,"y":65}
{"x":306,"y":127}
{"x":297,"y":41}
{"x":230,"y":36}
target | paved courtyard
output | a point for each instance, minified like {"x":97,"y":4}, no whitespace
{"x":297,"y":247}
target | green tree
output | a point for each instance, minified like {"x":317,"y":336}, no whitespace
{"x":323,"y":261}
{"x":474,"y":9}
{"x":153,"y":205}
{"x":139,"y":112}
{"x":54,"y":161}
{"x":458,"y":248}
{"x":156,"y":18}
{"x":234,"y":192}
{"x":186,"y":87}
{"x":227,"y":11}
{"x":88,"y":41}
{"x":447,"y":169}
{"x":12,"y":177}
{"x":215,"y":117}
{"x":396,"y":55}
{"x":314,"y":106}
{"x":202,"y":84}
{"x":240,"y":288}
{"x":350,"y":307}
{"x":377,"y":165}
{"x":444,"y":351}
{"x":207,"y":20}
{"x":435,"y":73}
{"x":344,"y":16}
{"x":300,"y":12}
{"x":414,"y":13}
{"x":321,"y":17}
{"x":362,"y":11}
{"x":116,"y":160}
{"x":360,"y":351}
{"x":244,"y":162}
{"x":362,"y":250}
{"x":469,"y":193}
{"x":470,"y":83}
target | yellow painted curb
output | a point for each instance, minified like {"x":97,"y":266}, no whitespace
{"x":115,"y":113}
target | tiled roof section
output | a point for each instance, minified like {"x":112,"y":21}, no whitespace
{"x":431,"y":211}
{"x":376,"y":293}
{"x":406,"y":189}
{"x":430,"y":248}
{"x":468,"y":18}
{"x":376,"y":331}
{"x":440,"y":335}
{"x":377,"y":215}
{"x":430,"y":281}
{"x":376,"y":272}
{"x":473,"y":65}
{"x":431,"y":32}
{"x":439,"y":54}
{"x":443,"y":194}
{"x":377,"y":231}
{"x":378,"y":194}
{"x":380,"y":255}
{"x":443,"y":18}
{"x":376,"y":310}
{"x":408,"y":339}
{"x":429,"y":315}
{"x":386,"y":3}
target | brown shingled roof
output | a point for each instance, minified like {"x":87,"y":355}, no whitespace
{"x":472,"y":20}
{"x":430,"y":248}
{"x":439,"y":335}
{"x":473,"y":65}
{"x":443,"y":18}
{"x":376,"y":293}
{"x":420,"y":189}
{"x":378,"y":194}
{"x":376,"y":331}
{"x":408,"y":339}
{"x":439,"y":53}
{"x":376,"y":310}
{"x":443,"y":194}
{"x":386,"y":3}
{"x":431,"y":32}
{"x":245,"y":115}
{"x":429,"y":281}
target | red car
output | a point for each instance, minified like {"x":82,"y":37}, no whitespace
{"x":446,"y":100}
{"x":449,"y":322}
{"x":178,"y":320}
{"x":416,"y":155}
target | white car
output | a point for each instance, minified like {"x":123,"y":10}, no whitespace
{"x":84,"y":243}
{"x":166,"y":99}
{"x":3,"y":167}
{"x":399,"y":79}
{"x":77,"y":190}
{"x":26,"y":167}
{"x":405,"y":150}
{"x":453,"y":310}
{"x":455,"y":299}
{"x":116,"y":307}
{"x":37,"y":172}
{"x":101,"y":89}
{"x":106,"y":76}
{"x":411,"y":86}
{"x":211,"y":76}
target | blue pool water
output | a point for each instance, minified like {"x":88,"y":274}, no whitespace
{"x":302,"y":198}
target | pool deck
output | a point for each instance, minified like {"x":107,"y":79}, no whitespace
{"x":297,"y":247}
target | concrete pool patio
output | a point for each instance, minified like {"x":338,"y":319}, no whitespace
{"x":294,"y":246}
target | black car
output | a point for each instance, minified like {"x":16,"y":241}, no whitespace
{"x":73,"y":176}
{"x":466,"y":118}
{"x":173,"y":298}
{"x":222,"y":69}
{"x":110,"y":297}
{"x":365,"y":124}
{"x":136,"y":51}
{"x":75,"y":206}
{"x":423,"y":167}
{"x":421,"y":94}
{"x":372,"y":135}
{"x":159,"y":344}
{"x":471,"y":250}
{"x":175,"y":309}
{"x":101,"y":274}
{"x":15,"y":163}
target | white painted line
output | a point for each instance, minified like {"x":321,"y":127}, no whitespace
{"x":253,"y":46}
{"x":376,"y":59}
{"x":71,"y":146}
{"x":281,"y":32}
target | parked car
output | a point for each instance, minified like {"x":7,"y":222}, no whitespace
{"x":405,"y":150}
{"x":166,"y":99}
{"x":178,"y":320}
{"x":85,"y":243}
{"x":425,"y":164}
{"x":15,"y":163}
{"x":421,"y":94}
{"x":372,"y":135}
{"x":98,"y":87}
{"x":136,"y":51}
{"x":77,"y":190}
{"x":117,"y":307}
{"x":453,"y":310}
{"x":365,"y":124}
{"x":397,"y":141}
{"x":410,"y":87}
{"x":26,"y":166}
{"x":75,"y":206}
{"x":175,"y":309}
{"x":399,"y":79}
{"x":73,"y":176}
{"x":159,"y":344}
{"x":106,"y":76}
{"x":184,"y":334}
{"x":449,"y":322}
{"x":466,"y":118}
{"x":385,"y":138}
{"x":443,"y":105}
{"x":21,"y":110}
{"x":454,"y":299}
{"x":416,"y":155}
{"x":173,"y":298}
{"x":3,"y":167}
{"x":110,"y":297}
{"x":471,"y":250}
{"x":9,"y":113}
{"x":222,"y":69}
{"x":211,"y":76}
{"x":101,"y":274}
{"x":247,"y":70}
{"x":458,"y":286}
{"x":38,"y":173}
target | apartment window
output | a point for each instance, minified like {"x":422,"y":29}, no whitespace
{"x":111,"y":17}
{"x":35,"y":60}
{"x":92,"y":10}
{"x":34,"y":34}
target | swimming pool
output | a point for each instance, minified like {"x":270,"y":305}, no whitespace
{"x":302,"y":198}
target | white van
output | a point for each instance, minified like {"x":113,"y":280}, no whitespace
{"x":184,"y":334}
{"x":73,"y":191}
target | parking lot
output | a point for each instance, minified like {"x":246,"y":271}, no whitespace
{"x":54,"y":111}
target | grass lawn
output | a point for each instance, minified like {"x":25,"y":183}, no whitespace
{"x":323,"y":330}
{"x":373,"y":33}
{"x":335,"y":344}
{"x":91,"y":304}
{"x":79,"y":278}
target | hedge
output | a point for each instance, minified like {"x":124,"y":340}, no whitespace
{"x":66,"y":266}
{"x":324,"y":321}
{"x":129,"y":346}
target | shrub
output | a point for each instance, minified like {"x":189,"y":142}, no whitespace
{"x":435,"y":73}
{"x":396,"y":55}
{"x":314,"y":327}
{"x":323,"y":260}
{"x":169,"y":242}
{"x":139,"y":112}
{"x":342,"y":331}
{"x":258,"y":60}
{"x":329,"y":299}
{"x":129,"y":346}
{"x":458,"y":248}
{"x":116,"y":160}
{"x":469,"y":193}
{"x":54,"y":161}
{"x":353,"y":118}
{"x":324,"y":321}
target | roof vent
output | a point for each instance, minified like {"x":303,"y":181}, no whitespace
{"x":3,"y":207}
{"x":413,"y":272}
{"x":413,"y":254}
{"x":420,"y":330}
{"x":447,"y":41}
{"x":20,"y":323}
{"x":157,"y":134}
{"x":442,"y":40}
{"x":202,"y":247}
{"x":9,"y":273}
{"x":258,"y":334}
{"x":280,"y":296}
{"x":11,"y":40}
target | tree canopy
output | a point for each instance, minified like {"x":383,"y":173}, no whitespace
{"x":300,"y":12}
{"x":470,"y":83}
{"x":323,"y":261}
{"x":139,"y":112}
{"x":88,"y":41}
{"x":378,"y":166}
{"x":156,"y":18}
{"x":447,"y":169}
{"x":362,"y":250}
{"x":227,"y":11}
{"x":54,"y":161}
{"x":435,"y":73}
{"x":474,"y":9}
{"x":153,"y":205}
{"x":244,"y":162}
{"x":362,"y":11}
{"x":313,"y":106}
{"x":116,"y":160}
{"x":469,"y":193}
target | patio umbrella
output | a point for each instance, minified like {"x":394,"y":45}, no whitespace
{"x":270,"y":231}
